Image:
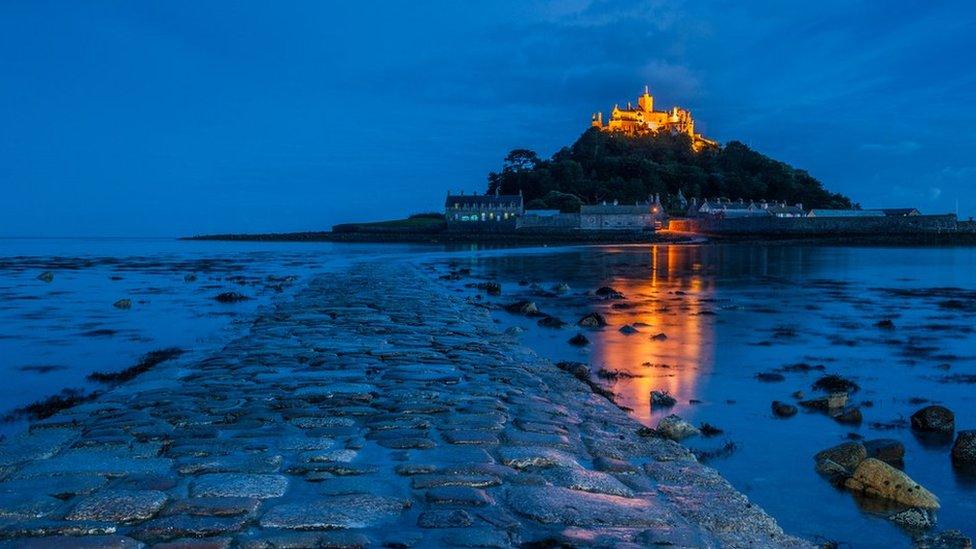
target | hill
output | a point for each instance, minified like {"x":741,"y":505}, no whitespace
{"x":612,"y":166}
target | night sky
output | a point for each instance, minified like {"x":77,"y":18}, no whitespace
{"x":172,"y":118}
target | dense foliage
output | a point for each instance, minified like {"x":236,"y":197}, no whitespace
{"x":602,"y":166}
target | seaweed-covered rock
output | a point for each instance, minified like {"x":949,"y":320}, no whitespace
{"x":782,"y":409}
{"x":675,"y":428}
{"x":848,"y":455}
{"x":592,"y":320}
{"x":934,"y":419}
{"x":964,"y":449}
{"x":662,"y":399}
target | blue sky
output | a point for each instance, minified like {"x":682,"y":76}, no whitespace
{"x":172,"y":118}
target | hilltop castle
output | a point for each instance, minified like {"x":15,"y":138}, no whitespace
{"x":645,"y":120}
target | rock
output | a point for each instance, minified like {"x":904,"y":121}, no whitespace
{"x":675,"y":428}
{"x":522,"y":307}
{"x":46,"y":276}
{"x":579,"y":340}
{"x":964,"y":449}
{"x":565,"y":507}
{"x":934,"y":419}
{"x":190,"y":277}
{"x":585,"y":480}
{"x":607,"y":292}
{"x":230,"y":297}
{"x":347,"y":511}
{"x":561,"y":288}
{"x":710,"y":430}
{"x":514,"y":330}
{"x":848,"y":455}
{"x":887,"y":450}
{"x":627,"y":329}
{"x":242,"y":485}
{"x":592,"y":320}
{"x":550,"y":322}
{"x":835,"y":384}
{"x":886,"y":324}
{"x":849,"y":416}
{"x":458,"y":495}
{"x":833,"y":401}
{"x":123,"y":304}
{"x":834,"y":472}
{"x":579,"y":370}
{"x":179,"y":526}
{"x":659,"y":336}
{"x":876,"y":478}
{"x":782,"y":409}
{"x":950,"y":539}
{"x":662,"y":399}
{"x":490,"y":288}
{"x":118,"y":505}
{"x":445,"y":518}
{"x":914,"y":518}
{"x":770,"y":377}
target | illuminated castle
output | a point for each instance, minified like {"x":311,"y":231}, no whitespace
{"x":645,"y":120}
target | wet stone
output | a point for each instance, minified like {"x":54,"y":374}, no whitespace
{"x":260,"y":486}
{"x":421,"y":482}
{"x":301,"y":540}
{"x":231,"y":464}
{"x":445,"y":518}
{"x":179,"y":526}
{"x":407,"y":443}
{"x":213,"y":506}
{"x":27,"y":505}
{"x":556,"y":505}
{"x":353,"y":511}
{"x":457,"y":495}
{"x":523,"y":457}
{"x":119,"y":506}
{"x":588,"y":481}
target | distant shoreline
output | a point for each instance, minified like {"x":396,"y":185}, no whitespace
{"x":660,"y":237}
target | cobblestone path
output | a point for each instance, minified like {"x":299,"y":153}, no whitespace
{"x":371,"y":410}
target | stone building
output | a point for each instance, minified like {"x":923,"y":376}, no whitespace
{"x":643,"y":120}
{"x":480,"y":212}
{"x":649,"y":215}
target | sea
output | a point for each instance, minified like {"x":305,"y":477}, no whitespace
{"x":725,"y":329}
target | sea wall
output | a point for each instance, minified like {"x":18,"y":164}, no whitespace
{"x":817,"y":226}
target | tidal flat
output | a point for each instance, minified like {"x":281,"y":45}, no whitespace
{"x":371,"y":394}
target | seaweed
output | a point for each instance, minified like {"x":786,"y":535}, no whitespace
{"x":146,"y":363}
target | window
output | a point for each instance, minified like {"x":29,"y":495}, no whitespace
{"x":482,"y":216}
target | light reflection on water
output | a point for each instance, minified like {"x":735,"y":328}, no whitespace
{"x":731,"y":312}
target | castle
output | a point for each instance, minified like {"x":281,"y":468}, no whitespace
{"x":645,"y":120}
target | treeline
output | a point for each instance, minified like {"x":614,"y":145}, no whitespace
{"x":604,"y":166}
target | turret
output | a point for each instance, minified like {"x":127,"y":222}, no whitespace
{"x":597,"y":121}
{"x":646,"y":101}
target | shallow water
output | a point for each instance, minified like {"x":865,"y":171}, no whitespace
{"x":730,"y":312}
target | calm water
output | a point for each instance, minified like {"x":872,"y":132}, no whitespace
{"x":729,"y":312}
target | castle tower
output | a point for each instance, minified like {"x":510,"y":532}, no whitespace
{"x":646,"y":101}
{"x":597,"y":121}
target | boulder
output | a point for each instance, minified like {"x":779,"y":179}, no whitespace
{"x":887,"y":450}
{"x":848,"y":455}
{"x":592,"y":320}
{"x":659,"y":337}
{"x":662,"y":399}
{"x":579,"y":340}
{"x":876,"y":478}
{"x":522,"y":307}
{"x":550,"y":322}
{"x":835,"y":384}
{"x":849,"y":416}
{"x":782,"y":409}
{"x":123,"y":304}
{"x":964,"y":449}
{"x":833,"y":401}
{"x":607,"y":292}
{"x":886,"y":324}
{"x":561,"y":288}
{"x":675,"y":428}
{"x":577,"y":369}
{"x":46,"y":276}
{"x":934,"y":419}
{"x":833,"y":471}
{"x":627,"y":329}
